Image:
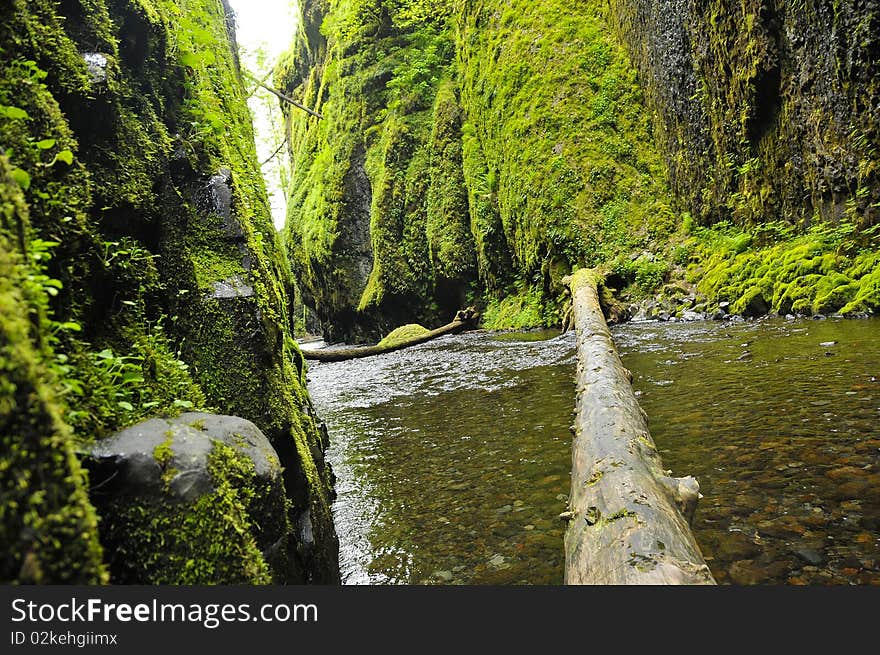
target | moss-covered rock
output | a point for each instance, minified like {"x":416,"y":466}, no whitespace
{"x":193,"y":500}
{"x":581,"y":134}
{"x":402,"y":334}
{"x":823,"y":271}
{"x":362,"y":245}
{"x":48,"y":528}
{"x":763,"y":110}
{"x":499,"y":145}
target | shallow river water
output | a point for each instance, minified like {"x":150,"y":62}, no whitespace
{"x":453,"y":457}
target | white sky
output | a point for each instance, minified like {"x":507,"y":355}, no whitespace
{"x":267,"y":25}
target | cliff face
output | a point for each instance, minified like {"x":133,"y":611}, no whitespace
{"x":377,"y":233}
{"x":766,"y":110}
{"x":585,"y":133}
{"x":137,"y":225}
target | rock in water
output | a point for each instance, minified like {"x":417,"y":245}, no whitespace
{"x":198,"y":499}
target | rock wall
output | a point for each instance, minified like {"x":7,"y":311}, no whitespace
{"x":766,"y":110}
{"x":587,"y":133}
{"x":504,"y":142}
{"x":363,"y":237}
{"x":135,"y":208}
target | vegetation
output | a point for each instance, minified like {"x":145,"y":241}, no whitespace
{"x":773,"y":268}
{"x":482,"y":149}
{"x":469,"y":152}
{"x":133,"y":203}
{"x":402,"y":334}
{"x":169,"y":542}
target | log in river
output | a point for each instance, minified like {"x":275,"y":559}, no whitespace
{"x":464,"y":319}
{"x":626,"y":518}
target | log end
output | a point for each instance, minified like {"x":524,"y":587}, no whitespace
{"x":467,"y":315}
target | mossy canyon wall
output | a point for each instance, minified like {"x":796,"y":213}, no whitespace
{"x":482,"y":149}
{"x":141,"y":277}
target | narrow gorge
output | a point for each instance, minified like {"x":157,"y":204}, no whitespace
{"x":710,"y":159}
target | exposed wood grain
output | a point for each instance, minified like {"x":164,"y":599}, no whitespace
{"x":626,"y":518}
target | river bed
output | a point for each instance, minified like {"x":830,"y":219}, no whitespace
{"x":453,"y":457}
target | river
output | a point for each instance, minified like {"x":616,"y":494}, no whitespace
{"x":453,"y":457}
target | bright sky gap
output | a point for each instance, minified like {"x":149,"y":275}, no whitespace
{"x":265,"y":29}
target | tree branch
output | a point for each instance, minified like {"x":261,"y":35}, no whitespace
{"x":287,"y":99}
{"x":277,"y":150}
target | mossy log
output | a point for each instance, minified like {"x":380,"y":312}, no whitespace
{"x":464,"y":319}
{"x":626,"y":518}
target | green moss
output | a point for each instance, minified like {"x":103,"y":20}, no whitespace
{"x":129,"y":238}
{"x":402,"y":334}
{"x":738,"y":106}
{"x":358,"y":227}
{"x":502,"y":144}
{"x":561,"y":124}
{"x":208,"y":542}
{"x":519,"y":311}
{"x":450,"y":244}
{"x":815,"y":272}
{"x":47,"y":524}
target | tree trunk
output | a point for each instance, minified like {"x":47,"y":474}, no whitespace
{"x":464,"y":319}
{"x":626,"y":523}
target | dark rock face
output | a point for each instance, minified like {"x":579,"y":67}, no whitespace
{"x":168,"y":261}
{"x":341,"y":287}
{"x":766,"y":110}
{"x":157,"y":481}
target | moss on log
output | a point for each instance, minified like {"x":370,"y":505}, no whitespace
{"x":626,"y":520}
{"x":464,"y":319}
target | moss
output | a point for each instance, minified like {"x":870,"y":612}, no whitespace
{"x":814,"y":272}
{"x":47,"y":524}
{"x":741,"y":109}
{"x":163,"y":455}
{"x":565,"y":125}
{"x":402,"y":334}
{"x":163,"y":541}
{"x":503,"y":145}
{"x":560,"y":121}
{"x":519,"y":311}
{"x":131,"y":235}
{"x":357,"y":231}
{"x":450,"y":244}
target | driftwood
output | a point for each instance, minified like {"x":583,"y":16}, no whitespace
{"x":464,"y":319}
{"x":626,"y":518}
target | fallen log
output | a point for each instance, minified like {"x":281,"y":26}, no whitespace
{"x":464,"y":319}
{"x":626,"y":518}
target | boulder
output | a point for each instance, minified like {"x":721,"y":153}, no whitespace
{"x":197,"y":499}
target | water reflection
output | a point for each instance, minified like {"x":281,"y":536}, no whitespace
{"x":453,"y":457}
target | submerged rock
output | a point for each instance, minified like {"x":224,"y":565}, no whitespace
{"x":810,"y":556}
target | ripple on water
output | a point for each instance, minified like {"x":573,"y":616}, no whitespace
{"x":453,"y":457}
